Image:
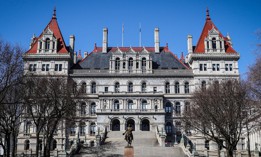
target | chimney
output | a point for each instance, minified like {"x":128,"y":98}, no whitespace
{"x":74,"y":58}
{"x":190,"y":49}
{"x":72,"y":40}
{"x":156,"y":40}
{"x":85,"y":54}
{"x":32,"y":41}
{"x":105,"y":40}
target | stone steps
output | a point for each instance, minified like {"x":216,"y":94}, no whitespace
{"x":145,"y":145}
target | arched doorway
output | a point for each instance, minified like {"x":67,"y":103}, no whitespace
{"x":145,"y":125}
{"x":115,"y":125}
{"x":130,"y":122}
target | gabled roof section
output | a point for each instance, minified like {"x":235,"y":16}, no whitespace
{"x":209,"y":25}
{"x":54,"y":27}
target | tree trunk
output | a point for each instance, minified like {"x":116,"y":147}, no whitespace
{"x":230,"y":151}
{"x":48,"y":146}
{"x":248,"y":141}
{"x":14,"y":138}
{"x":7,"y":141}
{"x":37,"y":143}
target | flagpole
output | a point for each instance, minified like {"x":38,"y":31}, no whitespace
{"x":140,"y":35}
{"x":122,"y":35}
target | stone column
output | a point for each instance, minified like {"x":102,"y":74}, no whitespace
{"x":77,"y":124}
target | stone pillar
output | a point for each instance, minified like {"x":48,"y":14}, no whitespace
{"x":105,"y":40}
{"x":77,"y":124}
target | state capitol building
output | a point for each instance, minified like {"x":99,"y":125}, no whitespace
{"x":148,"y":87}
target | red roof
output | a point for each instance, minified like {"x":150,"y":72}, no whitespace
{"x":209,"y":25}
{"x":54,"y":27}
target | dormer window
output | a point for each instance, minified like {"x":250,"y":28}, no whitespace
{"x":117,"y":64}
{"x":214,"y":44}
{"x":47,"y":44}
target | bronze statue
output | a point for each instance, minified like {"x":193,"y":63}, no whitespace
{"x":128,"y":135}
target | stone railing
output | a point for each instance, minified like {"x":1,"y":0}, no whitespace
{"x":161,"y":136}
{"x":185,"y":148}
{"x":129,"y":110}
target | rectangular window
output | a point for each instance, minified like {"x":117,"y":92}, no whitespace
{"x":226,"y":67}
{"x":32,"y":67}
{"x":203,"y":67}
{"x":200,"y":67}
{"x":43,"y":67}
{"x":218,"y":67}
{"x":230,"y":67}
{"x":106,"y":90}
{"x":154,"y":89}
{"x":214,"y":67}
{"x":58,"y":67}
{"x":47,"y":67}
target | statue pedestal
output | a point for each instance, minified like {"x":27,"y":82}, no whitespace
{"x":128,"y":151}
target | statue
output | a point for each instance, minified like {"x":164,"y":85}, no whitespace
{"x":128,"y":135}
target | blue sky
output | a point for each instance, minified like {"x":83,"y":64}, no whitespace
{"x":20,"y":19}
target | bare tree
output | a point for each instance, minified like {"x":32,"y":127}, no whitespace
{"x":49,"y":100}
{"x":11,"y":71}
{"x":254,"y":93}
{"x":218,"y":113}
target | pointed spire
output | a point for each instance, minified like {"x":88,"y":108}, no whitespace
{"x":208,"y":16}
{"x":54,"y":13}
{"x":95,"y":47}
{"x":182,"y":57}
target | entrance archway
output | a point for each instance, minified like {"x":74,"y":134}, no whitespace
{"x":145,"y":125}
{"x":130,"y":122}
{"x":115,"y":125}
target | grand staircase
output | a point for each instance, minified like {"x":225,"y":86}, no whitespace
{"x":145,"y":144}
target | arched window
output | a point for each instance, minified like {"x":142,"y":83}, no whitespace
{"x":214,"y":44}
{"x":47,"y":44}
{"x":26,"y":145}
{"x":92,"y":129}
{"x":93,"y":87}
{"x":54,"y":144}
{"x":82,"y":129}
{"x":130,"y":105}
{"x":186,"y":89}
{"x":167,"y":87}
{"x":168,"y":128}
{"x":176,"y":87}
{"x":143,"y":87}
{"x":116,"y":105}
{"x":72,"y":128}
{"x":144,"y":105}
{"x":207,"y":144}
{"x":130,"y":87}
{"x":177,"y":108}
{"x":117,"y":87}
{"x":203,"y":85}
{"x":93,"y":108}
{"x":83,"y":109}
{"x":83,"y":87}
{"x":143,"y":63}
{"x":117,"y":64}
{"x":130,"y":63}
{"x":28,"y":125}
{"x":168,"y":107}
{"x":40,"y":144}
{"x":187,"y":106}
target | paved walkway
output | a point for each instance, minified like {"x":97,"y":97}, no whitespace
{"x":145,"y":145}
